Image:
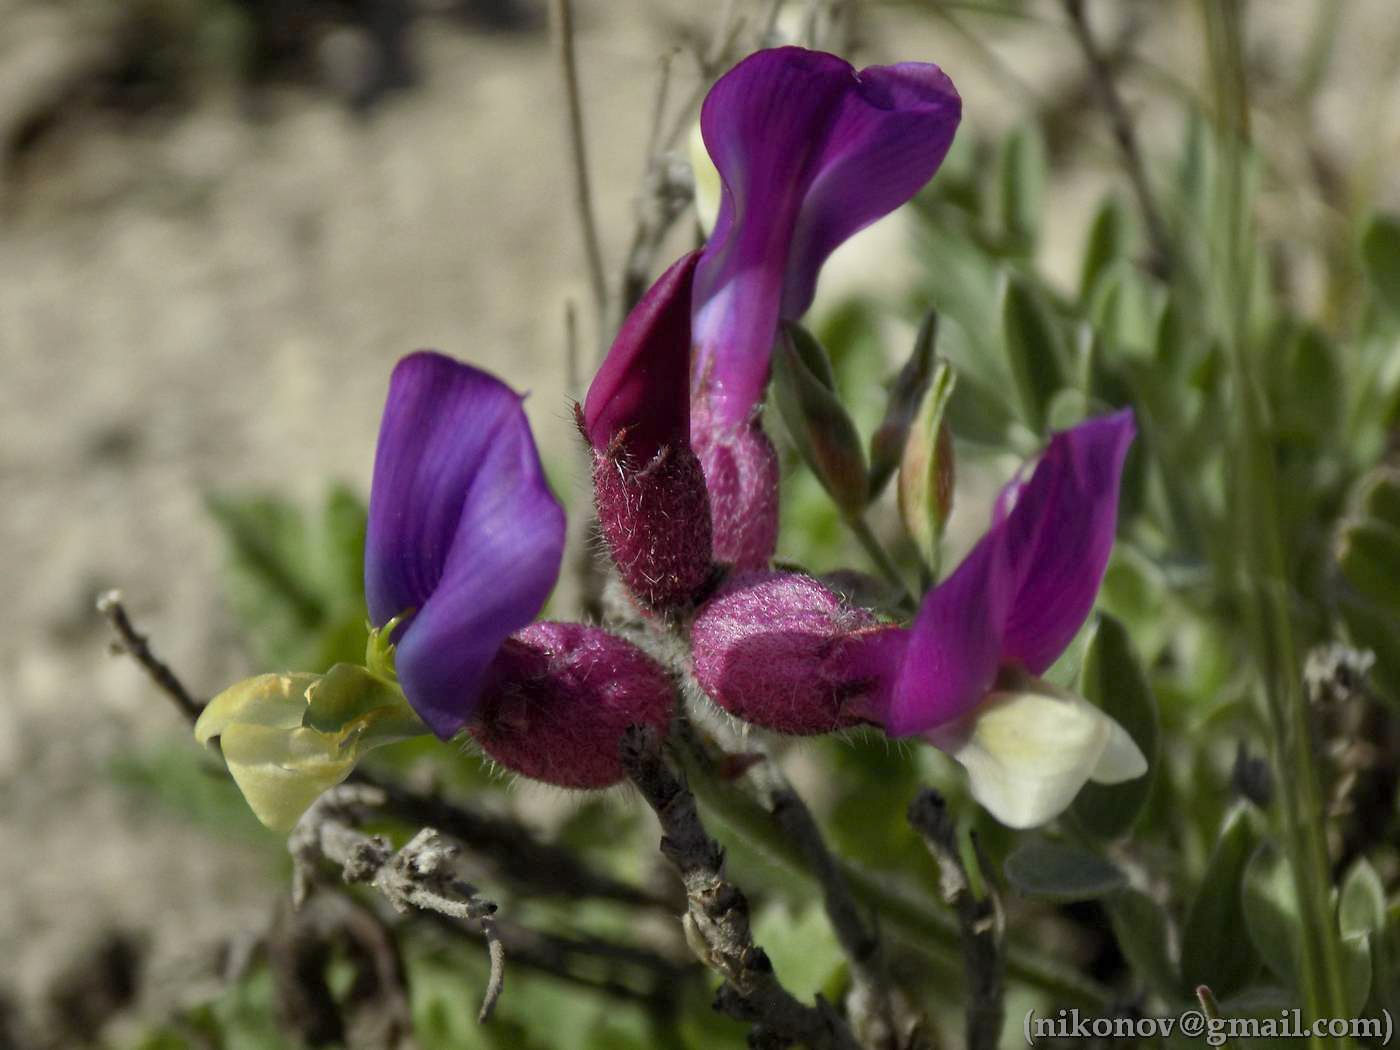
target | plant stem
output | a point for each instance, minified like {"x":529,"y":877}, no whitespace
{"x":912,"y":916}
{"x":562,"y":17}
{"x":883,"y":562}
{"x":1254,"y":503}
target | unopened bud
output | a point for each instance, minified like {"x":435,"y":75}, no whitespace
{"x":560,"y":698}
{"x":926,"y":469}
{"x":821,"y":428}
{"x":653,"y":507}
{"x":783,"y":652}
{"x":906,"y":397}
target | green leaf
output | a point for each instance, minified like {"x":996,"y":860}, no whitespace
{"x":1114,"y":680}
{"x":1361,"y":920}
{"x":1143,"y":932}
{"x":926,"y":469}
{"x":1380,"y":255}
{"x":906,"y":395}
{"x":295,"y":582}
{"x":1058,"y":872}
{"x":1033,"y":350}
{"x":800,"y":945}
{"x":1305,"y":384}
{"x":343,"y":525}
{"x":1361,"y":906}
{"x":1368,"y":552}
{"x":821,"y":429}
{"x":1022,"y":187}
{"x":1271,"y":912}
{"x":1125,"y":310}
{"x":1109,"y":240}
{"x":1213,"y":952}
{"x":1378,"y":496}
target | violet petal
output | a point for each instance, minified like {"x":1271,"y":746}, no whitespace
{"x":463,"y":530}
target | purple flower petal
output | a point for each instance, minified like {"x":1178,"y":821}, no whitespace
{"x":891,"y":134}
{"x":643,"y":386}
{"x":809,"y":151}
{"x":1059,"y":535}
{"x":463,"y":530}
{"x":955,"y":643}
{"x":1028,"y":585}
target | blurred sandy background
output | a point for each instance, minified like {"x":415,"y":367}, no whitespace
{"x":209,"y":294}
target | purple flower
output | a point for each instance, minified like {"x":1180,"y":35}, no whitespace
{"x":786,"y":653}
{"x":808,"y":151}
{"x":967,"y":678}
{"x":653,"y":506}
{"x":1027,"y":587}
{"x":464,"y":537}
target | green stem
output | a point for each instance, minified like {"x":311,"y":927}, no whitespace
{"x":1254,"y":503}
{"x":883,"y":562}
{"x":917,"y":919}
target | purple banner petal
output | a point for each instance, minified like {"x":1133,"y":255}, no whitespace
{"x":890,"y":135}
{"x":809,"y":151}
{"x":1059,"y":535}
{"x":463,"y":530}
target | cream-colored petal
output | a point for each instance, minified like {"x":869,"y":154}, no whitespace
{"x":273,"y":700}
{"x":281,"y":772}
{"x":1027,"y":754}
{"x":1121,"y":760}
{"x":287,"y":738}
{"x":708,"y":187}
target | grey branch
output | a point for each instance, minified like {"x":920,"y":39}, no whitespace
{"x":419,"y":876}
{"x":1122,"y":126}
{"x":138,"y":647}
{"x":717,"y":919}
{"x":980,"y":920}
{"x":880,"y":1019}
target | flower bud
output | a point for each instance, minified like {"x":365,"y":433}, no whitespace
{"x":653,"y":508}
{"x":821,"y":428}
{"x":925,"y":486}
{"x":741,"y":473}
{"x":783,"y":652}
{"x":560,"y":697}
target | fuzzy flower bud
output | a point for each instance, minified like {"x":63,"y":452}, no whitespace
{"x":782,"y":651}
{"x":653,"y":508}
{"x":560,"y":698}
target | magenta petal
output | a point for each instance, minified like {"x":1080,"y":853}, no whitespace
{"x":463,"y":530}
{"x":643,"y":386}
{"x":1059,"y":535}
{"x":954,"y":647}
{"x":808,"y":151}
{"x":764,"y":124}
{"x":887,"y":140}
